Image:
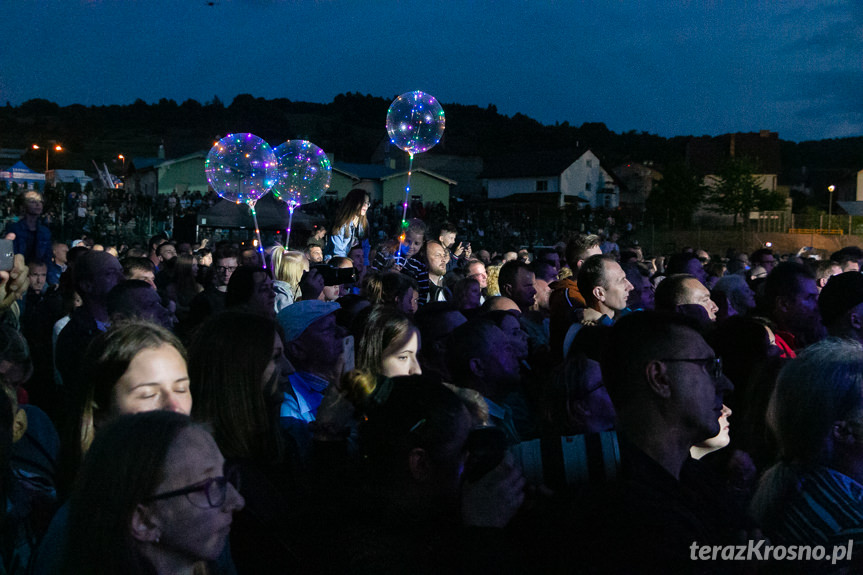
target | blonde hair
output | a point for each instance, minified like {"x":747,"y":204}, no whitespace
{"x":493,"y":274}
{"x":288,"y":265}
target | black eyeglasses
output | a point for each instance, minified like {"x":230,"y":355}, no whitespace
{"x":226,"y":268}
{"x":713,"y":365}
{"x":209,"y":493}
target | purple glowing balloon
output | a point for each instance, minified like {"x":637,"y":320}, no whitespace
{"x":415,"y":122}
{"x":304,"y":173}
{"x":241,"y":168}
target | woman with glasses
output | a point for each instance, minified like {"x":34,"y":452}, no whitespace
{"x":350,"y":226}
{"x":152,"y":497}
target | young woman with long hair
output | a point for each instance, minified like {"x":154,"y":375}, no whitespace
{"x":350,"y":226}
{"x":235,"y":365}
{"x":389,"y":344}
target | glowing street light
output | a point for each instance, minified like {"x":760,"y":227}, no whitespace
{"x":830,"y":189}
{"x":56,"y":147}
{"x":123,"y":158}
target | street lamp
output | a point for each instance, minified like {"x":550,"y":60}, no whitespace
{"x":123,"y":158}
{"x":830,"y":207}
{"x":56,"y":148}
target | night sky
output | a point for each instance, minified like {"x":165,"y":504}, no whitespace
{"x":669,"y":68}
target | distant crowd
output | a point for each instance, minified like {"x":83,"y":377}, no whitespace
{"x":416,"y":403}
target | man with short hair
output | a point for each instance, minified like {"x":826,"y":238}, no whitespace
{"x":551,"y":257}
{"x":315,"y":254}
{"x":642,"y":296}
{"x":476,"y":270}
{"x":38,"y":276}
{"x":212,"y":299}
{"x":435,"y":322}
{"x":686,"y":263}
{"x":605,"y":288}
{"x":841,"y":306}
{"x":502,"y":303}
{"x":140,"y":269}
{"x":516,"y":282}
{"x":358,"y":258}
{"x":684,"y":289}
{"x":544,"y":270}
{"x":166,"y":251}
{"x":153,"y":249}
{"x":429,"y":273}
{"x":791,"y":301}
{"x":40,"y":307}
{"x":250,"y":257}
{"x":437,"y":257}
{"x":667,"y":387}
{"x":564,"y":292}
{"x":32,"y":238}
{"x":849,"y":258}
{"x":763,"y":257}
{"x":57,"y":264}
{"x":96,"y":273}
{"x":480,"y":357}
{"x":131,"y":299}
{"x":824,"y":270}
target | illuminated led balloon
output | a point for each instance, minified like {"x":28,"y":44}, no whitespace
{"x":304,"y":172}
{"x":415,"y":122}
{"x":241,"y":168}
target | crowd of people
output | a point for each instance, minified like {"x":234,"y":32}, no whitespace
{"x":413,"y":403}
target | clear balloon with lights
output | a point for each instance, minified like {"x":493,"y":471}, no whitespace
{"x":242,"y":168}
{"x":304,"y":173}
{"x":415,"y":123}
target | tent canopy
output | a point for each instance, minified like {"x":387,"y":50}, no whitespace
{"x":272,"y":215}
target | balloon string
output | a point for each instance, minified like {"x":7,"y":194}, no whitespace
{"x":258,"y":233}
{"x":290,"y":222}
{"x":407,"y":195}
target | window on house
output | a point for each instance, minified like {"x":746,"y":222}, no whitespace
{"x":542,"y":185}
{"x":587,"y":186}
{"x":589,"y":163}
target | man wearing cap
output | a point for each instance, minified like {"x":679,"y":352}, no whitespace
{"x":313,"y":344}
{"x":841,"y":305}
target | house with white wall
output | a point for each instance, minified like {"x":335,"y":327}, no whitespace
{"x":565,"y":176}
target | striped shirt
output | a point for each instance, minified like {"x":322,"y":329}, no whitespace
{"x":826,"y":509}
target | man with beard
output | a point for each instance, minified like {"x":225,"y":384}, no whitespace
{"x":437,"y":257}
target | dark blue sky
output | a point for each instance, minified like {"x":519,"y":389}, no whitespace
{"x":666,"y":67}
